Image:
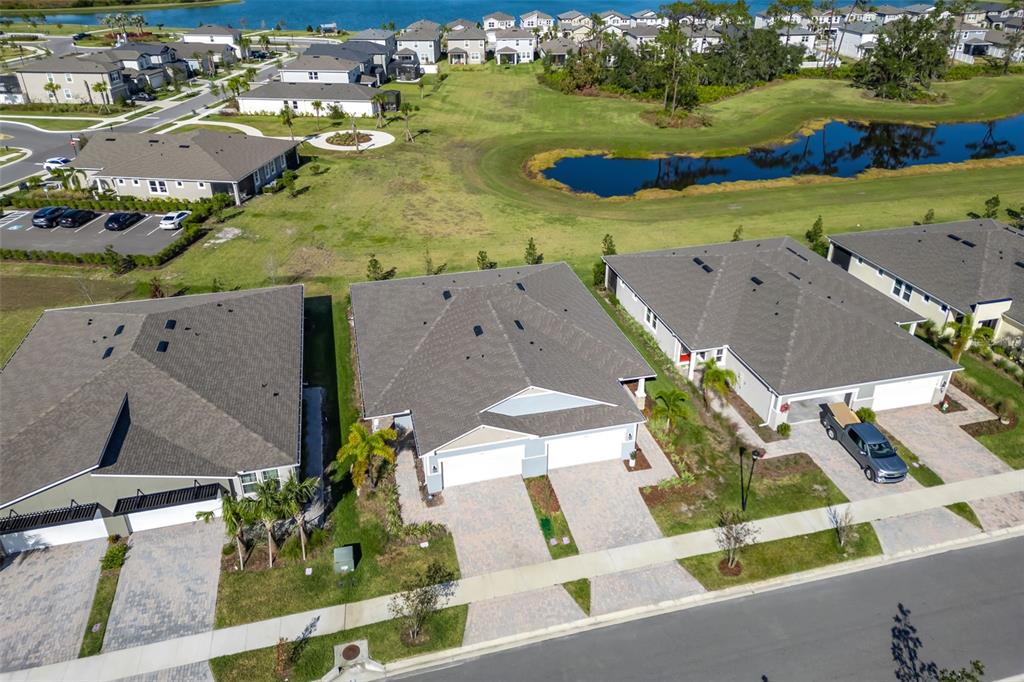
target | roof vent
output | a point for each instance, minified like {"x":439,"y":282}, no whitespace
{"x":170,"y":324}
{"x":757,"y":280}
{"x":182,"y":146}
{"x":107,"y":352}
{"x":446,"y":294}
{"x":953,"y":237}
{"x":110,"y":139}
{"x":519,"y":285}
{"x":154,"y":141}
{"x":707,"y":268}
{"x":794,"y":275}
{"x":120,"y":328}
{"x":519,"y":325}
{"x":162,"y":347}
{"x":795,"y":253}
{"x":1020,"y":264}
{"x":478,"y":330}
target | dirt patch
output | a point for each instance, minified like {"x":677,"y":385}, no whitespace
{"x":435,"y":500}
{"x":732,"y":571}
{"x":753,"y":420}
{"x":348,"y":139}
{"x":777,"y":468}
{"x":543,"y":494}
{"x":951,"y":406}
{"x":641,"y":463}
{"x":311,"y":260}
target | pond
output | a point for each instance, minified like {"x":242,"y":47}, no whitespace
{"x":839,"y":149}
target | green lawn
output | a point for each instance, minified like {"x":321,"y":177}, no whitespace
{"x":445,"y":631}
{"x":579,"y":590}
{"x":205,"y":126}
{"x":249,"y":596}
{"x":549,"y":514}
{"x":781,"y":557}
{"x":106,"y":587}
{"x":301,"y":125}
{"x":991,"y":386}
{"x":57,"y":123}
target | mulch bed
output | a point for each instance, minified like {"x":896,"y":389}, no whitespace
{"x":347,"y":140}
{"x":954,"y":406}
{"x":725,"y":569}
{"x":543,"y":494}
{"x":754,"y":421}
{"x":641,"y":463}
{"x":990,"y":427}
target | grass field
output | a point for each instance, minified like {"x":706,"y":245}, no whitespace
{"x":57,"y":123}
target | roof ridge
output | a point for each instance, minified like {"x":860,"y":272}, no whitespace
{"x":508,"y":342}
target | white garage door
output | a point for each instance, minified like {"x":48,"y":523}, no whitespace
{"x":905,"y":393}
{"x":482,"y":466}
{"x":171,"y":516}
{"x":584,"y":448}
{"x":54,"y":535}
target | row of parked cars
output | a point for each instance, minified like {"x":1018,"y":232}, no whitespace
{"x":63,"y":216}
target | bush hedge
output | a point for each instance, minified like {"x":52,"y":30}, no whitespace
{"x":33,"y":199}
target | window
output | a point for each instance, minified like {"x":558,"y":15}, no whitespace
{"x":161,"y":347}
{"x":313,"y":75}
{"x":202,"y":184}
{"x":120,"y":181}
{"x":68,"y":78}
{"x":135,"y":183}
{"x":248,"y":483}
{"x":179,"y":183}
{"x":270,"y":475}
{"x":927,"y":298}
{"x":157,"y":187}
{"x":49,"y":78}
{"x":67,"y":94}
{"x":881,"y":272}
{"x":651,"y":319}
{"x":115,"y":77}
{"x":719,"y":354}
{"x":902,"y":290}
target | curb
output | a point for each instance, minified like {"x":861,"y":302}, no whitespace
{"x":451,"y":657}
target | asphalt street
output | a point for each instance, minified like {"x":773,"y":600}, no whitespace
{"x":966,"y":605}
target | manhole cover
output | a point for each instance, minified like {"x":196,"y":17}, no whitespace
{"x":350,"y":652}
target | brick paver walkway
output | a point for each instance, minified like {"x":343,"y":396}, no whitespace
{"x":168,"y":586}
{"x":46,"y":596}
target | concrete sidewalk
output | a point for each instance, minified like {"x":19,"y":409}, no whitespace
{"x":204,"y":646}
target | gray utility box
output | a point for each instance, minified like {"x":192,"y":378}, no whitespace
{"x":344,"y":559}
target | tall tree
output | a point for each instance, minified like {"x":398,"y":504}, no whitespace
{"x":530,"y":255}
{"x":288,"y":119}
{"x":238,"y":514}
{"x":317,"y":108}
{"x":269,"y":509}
{"x":367,"y":451}
{"x":963,"y":334}
{"x":294,"y":496}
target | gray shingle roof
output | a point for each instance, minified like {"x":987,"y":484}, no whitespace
{"x":808,"y":326}
{"x":959,"y":275}
{"x":513,"y":34}
{"x":499,"y":16}
{"x":320,"y":62}
{"x":203,"y":407}
{"x":373,"y":34}
{"x":418,"y":34}
{"x":417,"y":350}
{"x":472,"y":33}
{"x":214,"y":30}
{"x":335,"y":92}
{"x":71,"y":63}
{"x":196,"y":155}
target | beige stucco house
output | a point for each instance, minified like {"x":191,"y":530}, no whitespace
{"x":75,"y":76}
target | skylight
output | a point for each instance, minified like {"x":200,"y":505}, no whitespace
{"x":797,"y":254}
{"x":967,"y":243}
{"x":170,"y":324}
{"x":162,"y":347}
{"x":757,"y":280}
{"x":446,"y":294}
{"x":519,"y":285}
{"x":478,"y":330}
{"x":120,"y":328}
{"x":519,"y":325}
{"x":953,"y":237}
{"x":107,"y":352}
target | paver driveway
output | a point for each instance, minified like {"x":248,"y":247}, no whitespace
{"x":46,"y":596}
{"x":955,"y":456}
{"x":193,"y":672}
{"x":602,"y":503}
{"x":494,"y":528}
{"x":168,"y":586}
{"x":895,"y":535}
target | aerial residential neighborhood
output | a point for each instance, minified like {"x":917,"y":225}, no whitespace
{"x":511,"y":342}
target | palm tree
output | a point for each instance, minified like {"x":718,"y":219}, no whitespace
{"x":317,"y":107}
{"x":378,"y":101}
{"x":238,"y":514}
{"x":288,"y":119}
{"x":355,"y":134}
{"x":407,"y":114}
{"x":269,"y":509}
{"x":265,"y":42}
{"x":366,"y":449}
{"x":670,"y":406}
{"x":963,"y":334}
{"x":715,"y":379}
{"x":295,"y":494}
{"x":51,"y":90}
{"x":102,"y":88}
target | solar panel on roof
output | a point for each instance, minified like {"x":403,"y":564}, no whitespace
{"x":698,"y":261}
{"x":519,"y":325}
{"x":519,"y":285}
{"x":757,"y":280}
{"x":967,"y":243}
{"x":120,"y":328}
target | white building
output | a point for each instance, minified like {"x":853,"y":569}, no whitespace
{"x":211,"y":34}
{"x":514,"y":46}
{"x":320,"y":68}
{"x":269,"y":99}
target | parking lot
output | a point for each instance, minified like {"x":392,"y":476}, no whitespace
{"x":144,"y":238}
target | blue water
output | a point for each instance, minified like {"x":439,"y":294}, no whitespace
{"x":839,"y":149}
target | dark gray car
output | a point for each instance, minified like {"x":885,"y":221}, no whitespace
{"x":871,"y":450}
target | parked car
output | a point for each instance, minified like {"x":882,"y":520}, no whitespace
{"x":872,"y":451}
{"x":143,"y":97}
{"x":122,"y":221}
{"x":48,"y":217}
{"x":77,"y":217}
{"x":80,"y":36}
{"x":55,"y":163}
{"x":172,"y":221}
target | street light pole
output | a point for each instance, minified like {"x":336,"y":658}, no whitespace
{"x":745,"y":481}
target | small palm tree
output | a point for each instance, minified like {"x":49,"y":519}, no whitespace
{"x":288,"y":119}
{"x":715,"y":380}
{"x":265,"y":42}
{"x":355,"y":134}
{"x":670,"y":407}
{"x":407,"y":114}
{"x":238,"y":514}
{"x":367,"y":450}
{"x":269,"y":509}
{"x":102,"y":88}
{"x":317,"y":108}
{"x":964,"y":334}
{"x":295,"y":495}
{"x":379,"y":100}
{"x":51,"y":90}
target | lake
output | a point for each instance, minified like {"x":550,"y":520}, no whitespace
{"x":839,"y":149}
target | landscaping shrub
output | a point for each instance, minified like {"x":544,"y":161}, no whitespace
{"x":783,"y":429}
{"x":866,"y":415}
{"x":228,"y":549}
{"x":114,"y":557}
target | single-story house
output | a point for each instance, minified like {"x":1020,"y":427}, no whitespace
{"x":797,"y":331}
{"x":75,"y":75}
{"x":193,"y":165}
{"x":354,"y":100}
{"x":943,"y":271}
{"x":558,"y":49}
{"x":321,"y":68}
{"x":506,"y":372}
{"x":467,"y":46}
{"x":514,"y":46}
{"x":155,"y":409}
{"x":212,"y":34}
